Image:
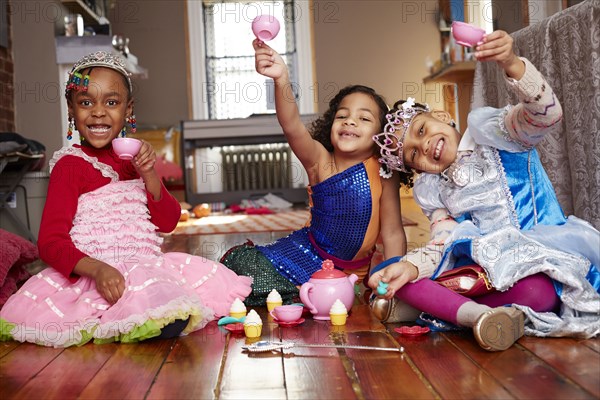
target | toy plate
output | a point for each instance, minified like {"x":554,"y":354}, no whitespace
{"x":238,"y":327}
{"x":412,"y":330}
{"x":288,"y":324}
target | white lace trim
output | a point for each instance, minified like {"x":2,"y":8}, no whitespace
{"x":105,"y":169}
{"x":122,"y":240}
{"x":113,"y":227}
{"x":505,"y":188}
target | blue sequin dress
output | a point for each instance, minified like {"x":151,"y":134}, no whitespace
{"x":344,"y":224}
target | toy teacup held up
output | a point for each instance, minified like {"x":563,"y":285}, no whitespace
{"x":466,"y":34}
{"x":265,"y":27}
{"x":126,"y":148}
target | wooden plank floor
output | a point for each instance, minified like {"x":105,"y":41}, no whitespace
{"x":210,"y":364}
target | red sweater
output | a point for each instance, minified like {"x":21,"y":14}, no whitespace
{"x":73,"y":176}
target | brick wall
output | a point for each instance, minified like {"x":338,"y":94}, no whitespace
{"x":7,"y":103}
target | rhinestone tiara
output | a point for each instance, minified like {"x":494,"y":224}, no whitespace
{"x":389,"y":142}
{"x":102,"y":59}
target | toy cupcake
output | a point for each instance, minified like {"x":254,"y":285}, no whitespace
{"x":252,"y":325}
{"x":273,"y":300}
{"x":238,"y":309}
{"x":338,"y":313}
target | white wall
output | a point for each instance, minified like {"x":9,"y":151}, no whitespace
{"x":378,"y":43}
{"x":38,"y":91}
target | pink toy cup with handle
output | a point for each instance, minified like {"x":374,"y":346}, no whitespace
{"x":288,"y":313}
{"x":466,"y":34}
{"x":126,"y":148}
{"x":265,"y":27}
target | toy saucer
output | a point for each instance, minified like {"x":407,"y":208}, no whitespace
{"x":412,"y":330}
{"x":288,"y":324}
{"x":238,"y":327}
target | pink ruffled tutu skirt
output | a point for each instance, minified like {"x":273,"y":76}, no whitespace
{"x":112,"y":224}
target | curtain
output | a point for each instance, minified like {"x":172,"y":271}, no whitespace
{"x":566,"y":50}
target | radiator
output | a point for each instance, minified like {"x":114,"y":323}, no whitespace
{"x":256,"y":167}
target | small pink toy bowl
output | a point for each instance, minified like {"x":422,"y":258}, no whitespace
{"x":265,"y":27}
{"x":466,"y":34}
{"x":126,"y":148}
{"x":287,"y":313}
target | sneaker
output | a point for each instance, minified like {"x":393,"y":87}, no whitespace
{"x":499,"y":328}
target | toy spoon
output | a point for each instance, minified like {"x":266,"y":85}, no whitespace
{"x":265,"y":345}
{"x":230,"y":320}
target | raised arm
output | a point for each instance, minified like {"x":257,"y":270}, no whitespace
{"x":270,"y":64}
{"x":538,"y":109}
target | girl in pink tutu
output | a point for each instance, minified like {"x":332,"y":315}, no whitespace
{"x":108,"y":279}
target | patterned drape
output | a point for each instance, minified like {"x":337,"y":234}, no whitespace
{"x":566,"y":50}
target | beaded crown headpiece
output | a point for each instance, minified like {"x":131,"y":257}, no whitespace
{"x":390,"y":141}
{"x":98,"y":59}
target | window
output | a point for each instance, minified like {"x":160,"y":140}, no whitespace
{"x":224,"y":82}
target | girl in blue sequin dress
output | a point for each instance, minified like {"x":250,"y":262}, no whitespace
{"x":350,"y":203}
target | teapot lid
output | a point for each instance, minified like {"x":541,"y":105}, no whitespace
{"x":328,"y":271}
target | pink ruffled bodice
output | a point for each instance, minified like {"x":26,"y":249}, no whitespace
{"x":112,"y":224}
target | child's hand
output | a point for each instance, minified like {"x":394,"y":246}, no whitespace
{"x":144,"y":161}
{"x":498,"y":46}
{"x":109,"y":282}
{"x":267,"y":61}
{"x":395,"y":275}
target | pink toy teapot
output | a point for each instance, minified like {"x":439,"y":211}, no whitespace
{"x":324,"y":287}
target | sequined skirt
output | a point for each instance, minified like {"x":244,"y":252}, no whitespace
{"x":247,"y":260}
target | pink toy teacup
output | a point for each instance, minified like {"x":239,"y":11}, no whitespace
{"x":126,"y":148}
{"x":466,"y":34}
{"x":265,"y":27}
{"x":287,"y":313}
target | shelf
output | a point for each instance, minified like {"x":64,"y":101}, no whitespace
{"x":90,"y":17}
{"x":453,"y":73}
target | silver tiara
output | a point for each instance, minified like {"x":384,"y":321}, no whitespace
{"x":389,"y":142}
{"x":97,"y":59}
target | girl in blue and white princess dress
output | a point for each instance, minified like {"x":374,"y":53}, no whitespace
{"x":491,"y":203}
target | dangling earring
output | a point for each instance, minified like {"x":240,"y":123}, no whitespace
{"x":132,"y":121}
{"x":70,"y":129}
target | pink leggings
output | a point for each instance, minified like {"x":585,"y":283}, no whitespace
{"x":535,"y":291}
